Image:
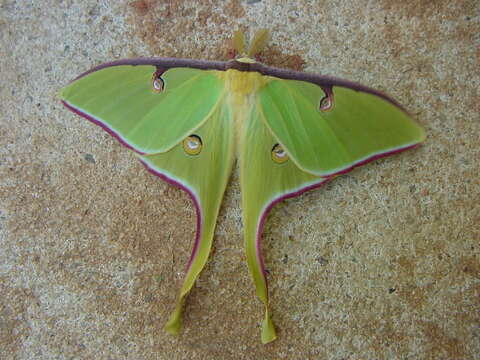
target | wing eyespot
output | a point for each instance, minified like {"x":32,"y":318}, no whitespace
{"x":326,"y":103}
{"x":158,"y":84}
{"x":192,"y":145}
{"x":279,"y":155}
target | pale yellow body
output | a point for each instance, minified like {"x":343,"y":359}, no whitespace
{"x":241,"y":89}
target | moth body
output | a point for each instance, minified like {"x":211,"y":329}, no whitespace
{"x":189,"y":120}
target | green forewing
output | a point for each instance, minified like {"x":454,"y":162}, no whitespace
{"x":123,"y":99}
{"x":359,"y":126}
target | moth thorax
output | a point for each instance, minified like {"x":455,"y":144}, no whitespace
{"x":243,"y":82}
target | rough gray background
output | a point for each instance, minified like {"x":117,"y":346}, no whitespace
{"x":382,"y":263}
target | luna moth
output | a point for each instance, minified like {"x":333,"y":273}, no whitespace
{"x":190,"y":121}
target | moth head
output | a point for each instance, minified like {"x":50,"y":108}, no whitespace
{"x":256,"y":45}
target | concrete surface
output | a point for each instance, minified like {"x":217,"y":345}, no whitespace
{"x":382,"y":263}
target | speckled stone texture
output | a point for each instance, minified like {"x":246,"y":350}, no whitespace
{"x":382,"y":263}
